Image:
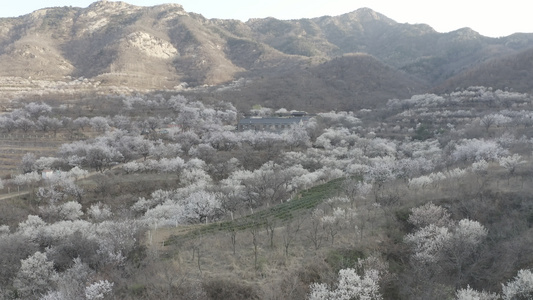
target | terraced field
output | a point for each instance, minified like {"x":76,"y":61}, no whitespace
{"x":301,"y":206}
{"x":13,"y":148}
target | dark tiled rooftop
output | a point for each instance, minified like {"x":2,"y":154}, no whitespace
{"x":272,"y":120}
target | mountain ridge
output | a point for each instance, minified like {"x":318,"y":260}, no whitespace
{"x":165,"y":47}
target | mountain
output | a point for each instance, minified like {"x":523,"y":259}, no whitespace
{"x":349,"y":61}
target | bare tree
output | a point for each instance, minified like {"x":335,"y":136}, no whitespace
{"x":291,"y":233}
{"x":487,"y":121}
{"x":316,"y":232}
{"x":7,"y":123}
{"x":28,"y":162}
{"x":254,"y":231}
{"x":510,"y":163}
{"x":270,"y":225}
{"x":232,"y":232}
{"x":25,"y":124}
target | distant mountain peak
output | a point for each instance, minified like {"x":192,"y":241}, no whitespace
{"x":106,"y":3}
{"x":368,"y":11}
{"x":169,"y":5}
{"x":366,"y":14}
{"x":117,"y":6}
{"x":466,"y":31}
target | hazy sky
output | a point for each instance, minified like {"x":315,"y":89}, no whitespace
{"x":490,"y":18}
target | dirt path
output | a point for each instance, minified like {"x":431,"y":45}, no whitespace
{"x":13,"y":195}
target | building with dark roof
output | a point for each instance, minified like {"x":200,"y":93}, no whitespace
{"x":275,"y":124}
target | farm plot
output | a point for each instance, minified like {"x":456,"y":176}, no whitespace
{"x":12,"y":149}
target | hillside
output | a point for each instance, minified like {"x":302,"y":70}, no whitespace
{"x":512,"y":71}
{"x":156,"y":197}
{"x":115,"y":46}
{"x":338,"y":84}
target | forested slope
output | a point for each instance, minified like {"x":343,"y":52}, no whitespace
{"x":428,"y":197}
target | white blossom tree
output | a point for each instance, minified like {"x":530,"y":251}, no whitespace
{"x":296,"y":136}
{"x":350,"y":286}
{"x":510,"y":163}
{"x":100,"y":124}
{"x":34,"y":110}
{"x":98,"y":289}
{"x":99,"y":212}
{"x":169,"y":213}
{"x":467,"y":237}
{"x":44,"y":162}
{"x":202,"y":206}
{"x":24,"y":124}
{"x":494,"y":119}
{"x":59,"y":189}
{"x":101,"y":156}
{"x":116,"y":240}
{"x":428,"y":214}
{"x":71,"y":283}
{"x":28,"y":162}
{"x":75,"y":283}
{"x":29,"y":180}
{"x":76,"y":173}
{"x":160,"y":149}
{"x":35,"y":276}
{"x":380,"y":172}
{"x":81,"y":122}
{"x":31,"y":227}
{"x":7,"y":124}
{"x":521,"y":287}
{"x":429,"y":242}
{"x":475,"y":150}
{"x":46,"y":123}
{"x":442,"y":245}
{"x":471,"y":294}
{"x":70,"y":210}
